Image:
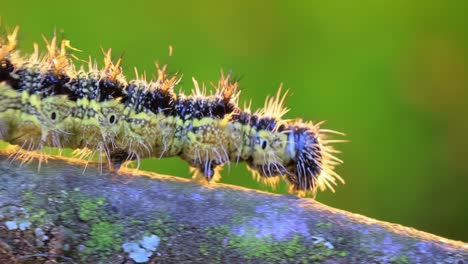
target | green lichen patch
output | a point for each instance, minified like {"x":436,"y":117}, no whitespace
{"x":325,"y":225}
{"x":164,"y":226}
{"x":100,"y":233}
{"x":266,"y":249}
{"x":88,"y":207}
{"x":105,"y":237}
{"x":34,"y":205}
{"x":67,"y":204}
{"x":402,"y":259}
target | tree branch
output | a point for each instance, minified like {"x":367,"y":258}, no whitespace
{"x":64,"y":215}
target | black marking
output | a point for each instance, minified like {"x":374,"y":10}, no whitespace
{"x":109,"y":90}
{"x":55,"y":85}
{"x":264,"y":144}
{"x":197,"y":108}
{"x":84,"y":87}
{"x":30,"y":79}
{"x":112,"y":119}
{"x":91,"y":88}
{"x":6,"y":67}
{"x":257,"y":122}
{"x":156,"y":101}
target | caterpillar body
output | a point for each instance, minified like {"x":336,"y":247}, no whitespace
{"x":45,"y":101}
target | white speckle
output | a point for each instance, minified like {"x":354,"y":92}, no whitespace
{"x":150,"y":242}
{"x":261,"y":209}
{"x":197,"y":197}
{"x":328,"y":245}
{"x":130,"y":247}
{"x":271,"y":222}
{"x":321,"y":240}
{"x":81,"y":248}
{"x":11,"y":225}
{"x":40,"y":234}
{"x":24,"y":225}
{"x":142,"y":250}
{"x":140,"y":255}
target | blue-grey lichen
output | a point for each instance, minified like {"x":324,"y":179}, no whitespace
{"x":274,"y":221}
{"x":141,"y":250}
{"x":41,"y":236}
{"x":21,"y":225}
{"x":11,"y":225}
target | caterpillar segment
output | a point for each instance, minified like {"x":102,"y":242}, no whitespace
{"x":98,"y":112}
{"x":204,"y":134}
{"x":10,"y":99}
{"x":149,"y":124}
{"x":263,"y":143}
{"x":27,"y":123}
{"x":44,"y":107}
{"x":9,"y":109}
{"x":46,"y":102}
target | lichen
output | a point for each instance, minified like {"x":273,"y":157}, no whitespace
{"x":88,"y":207}
{"x":104,"y":237}
{"x":11,"y":225}
{"x":402,"y":259}
{"x":99,"y":233}
{"x":141,"y":251}
{"x":33,"y":205}
{"x":164,"y":226}
{"x":253,"y":247}
{"x":324,"y":225}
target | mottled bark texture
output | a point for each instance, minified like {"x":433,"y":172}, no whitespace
{"x":62,"y":215}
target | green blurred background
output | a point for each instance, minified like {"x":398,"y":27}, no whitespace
{"x":391,"y":74}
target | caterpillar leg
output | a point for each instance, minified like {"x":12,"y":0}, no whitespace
{"x":121,"y":161}
{"x":207,"y":172}
{"x":28,"y":153}
{"x":99,"y":154}
{"x":268,"y":176}
{"x":117,"y":158}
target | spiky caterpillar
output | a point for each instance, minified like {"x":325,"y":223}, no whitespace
{"x":46,"y":101}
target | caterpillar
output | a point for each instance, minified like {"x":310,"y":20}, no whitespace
{"x":46,"y":101}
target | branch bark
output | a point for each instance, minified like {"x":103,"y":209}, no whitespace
{"x":62,"y":215}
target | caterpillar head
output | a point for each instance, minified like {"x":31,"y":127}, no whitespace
{"x":311,"y":157}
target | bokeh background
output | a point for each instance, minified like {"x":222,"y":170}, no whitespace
{"x":391,"y":74}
